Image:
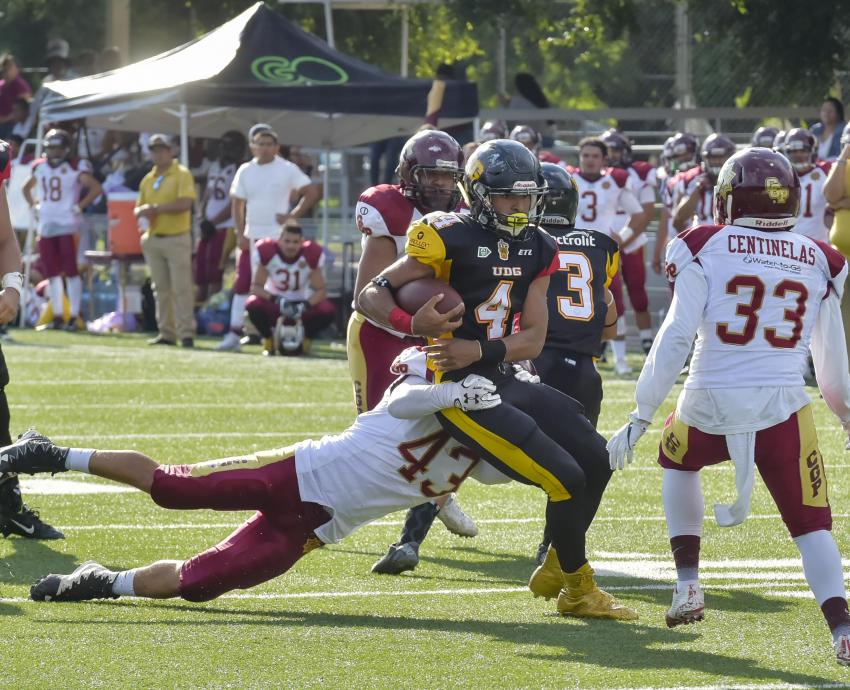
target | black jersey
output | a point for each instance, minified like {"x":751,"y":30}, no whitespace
{"x":587,"y":262}
{"x":491,"y":274}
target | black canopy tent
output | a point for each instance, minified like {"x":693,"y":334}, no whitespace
{"x":258,"y":67}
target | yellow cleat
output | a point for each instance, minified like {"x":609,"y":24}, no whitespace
{"x":548,"y":579}
{"x":581,"y":597}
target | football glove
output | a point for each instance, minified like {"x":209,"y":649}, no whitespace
{"x":475,"y":393}
{"x":523,"y":374}
{"x":622,"y":444}
{"x":289,"y":309}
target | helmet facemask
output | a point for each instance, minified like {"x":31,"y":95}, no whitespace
{"x":433,"y":196}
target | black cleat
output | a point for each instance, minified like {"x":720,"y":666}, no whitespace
{"x":89,"y":581}
{"x":28,"y":524}
{"x":399,"y":559}
{"x":33,"y":453}
{"x":542,"y":550}
{"x":646,"y":344}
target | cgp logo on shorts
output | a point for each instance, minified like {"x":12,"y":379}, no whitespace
{"x":301,"y":71}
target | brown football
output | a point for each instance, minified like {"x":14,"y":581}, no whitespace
{"x":414,"y":294}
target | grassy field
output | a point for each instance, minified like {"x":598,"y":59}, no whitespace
{"x":464,"y":618}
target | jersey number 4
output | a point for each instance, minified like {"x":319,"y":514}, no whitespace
{"x":577,"y":304}
{"x":494,"y":311}
{"x":750,"y":310}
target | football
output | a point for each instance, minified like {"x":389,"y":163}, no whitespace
{"x":414,"y":294}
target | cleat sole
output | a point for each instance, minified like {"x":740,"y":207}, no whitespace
{"x":693,"y":617}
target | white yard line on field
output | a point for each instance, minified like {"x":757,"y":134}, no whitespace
{"x":141,"y":406}
{"x":164,"y":381}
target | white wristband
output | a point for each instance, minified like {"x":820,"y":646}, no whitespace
{"x":627,"y":233}
{"x":15,"y":281}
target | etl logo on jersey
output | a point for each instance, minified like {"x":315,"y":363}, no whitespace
{"x":525,"y":252}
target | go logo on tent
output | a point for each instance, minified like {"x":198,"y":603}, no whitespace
{"x":301,"y":71}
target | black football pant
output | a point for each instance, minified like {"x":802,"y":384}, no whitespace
{"x":575,"y":375}
{"x":10,"y":491}
{"x":540,"y":436}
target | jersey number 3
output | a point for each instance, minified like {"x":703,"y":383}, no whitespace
{"x":577,"y":304}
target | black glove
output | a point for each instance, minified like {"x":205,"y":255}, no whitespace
{"x":207,"y":230}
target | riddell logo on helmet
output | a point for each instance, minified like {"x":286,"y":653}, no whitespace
{"x":440,"y":163}
{"x":525,"y":184}
{"x":769,"y":222}
{"x":776,"y":192}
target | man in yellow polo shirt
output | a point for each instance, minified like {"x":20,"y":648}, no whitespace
{"x":164,"y":210}
{"x":836,"y":189}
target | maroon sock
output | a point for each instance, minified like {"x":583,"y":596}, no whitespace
{"x":835,"y":611}
{"x":685,"y":550}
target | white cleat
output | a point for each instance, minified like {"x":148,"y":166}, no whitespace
{"x":230,"y":343}
{"x":688,"y":606}
{"x":456,"y":521}
{"x":842,"y":649}
{"x":622,"y":368}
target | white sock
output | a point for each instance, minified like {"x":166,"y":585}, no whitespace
{"x":684,"y":506}
{"x":821,"y":565}
{"x":237,"y":312}
{"x":78,"y":459}
{"x":57,"y":292}
{"x":123,"y":585}
{"x":646,"y":334}
{"x":618,"y":347}
{"x":75,"y":295}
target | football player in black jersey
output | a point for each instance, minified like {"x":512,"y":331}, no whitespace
{"x":581,"y":308}
{"x":500,"y":262}
{"x":15,"y":516}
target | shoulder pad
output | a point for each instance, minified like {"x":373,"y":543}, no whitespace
{"x":620,"y":176}
{"x":824,"y":165}
{"x":312,"y":252}
{"x":383,"y":210}
{"x":441,"y":219}
{"x":267,"y":249}
{"x":412,"y":362}
{"x":834,"y":259}
{"x":689,"y":175}
{"x":642,"y":168}
{"x":37,"y":162}
{"x":685,"y":247}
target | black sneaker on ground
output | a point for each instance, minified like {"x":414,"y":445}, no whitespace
{"x":89,"y":581}
{"x":399,"y":559}
{"x":251,"y":339}
{"x":646,"y":344}
{"x":187,"y":342}
{"x":33,"y":453}
{"x":159,"y":340}
{"x":28,"y":524}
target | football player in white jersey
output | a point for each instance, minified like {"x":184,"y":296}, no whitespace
{"x":756,"y":296}
{"x":430,"y":167}
{"x":696,"y":187}
{"x":601,"y":193}
{"x":290,"y":282}
{"x":60,"y":181}
{"x":313,"y":493}
{"x":801,"y":148}
{"x":215,"y":214}
{"x":631,"y":230}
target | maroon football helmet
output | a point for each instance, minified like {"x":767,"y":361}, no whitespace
{"x":685,"y":150}
{"x":757,"y":188}
{"x":801,"y":140}
{"x":779,"y":141}
{"x":617,"y":141}
{"x":422,"y":166}
{"x":716,"y":149}
{"x":527,"y":136}
{"x":492,"y":129}
{"x":764,"y":136}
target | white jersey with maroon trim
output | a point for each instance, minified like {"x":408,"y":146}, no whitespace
{"x":599,"y":199}
{"x":219,"y":181}
{"x":58,"y":190}
{"x":381,"y":464}
{"x":290,"y":278}
{"x":764,"y":293}
{"x":704,"y":211}
{"x":810,"y":220}
{"x":642,"y":181}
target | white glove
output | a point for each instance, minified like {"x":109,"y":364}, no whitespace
{"x":523,"y":374}
{"x":475,"y":393}
{"x":622,"y":444}
{"x":76,"y":210}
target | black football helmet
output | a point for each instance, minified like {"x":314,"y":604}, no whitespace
{"x":504,"y":167}
{"x":561,"y":197}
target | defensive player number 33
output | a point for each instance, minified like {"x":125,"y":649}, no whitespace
{"x":418,"y":454}
{"x":750,"y":310}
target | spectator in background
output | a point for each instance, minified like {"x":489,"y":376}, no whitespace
{"x":58,"y":68}
{"x":12,"y":88}
{"x":217,"y":239}
{"x":828,"y":130}
{"x":261,"y":196}
{"x":20,"y":116}
{"x":836,"y":189}
{"x":530,"y":95}
{"x":86,"y":63}
{"x":384,"y":153}
{"x":164,"y":211}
